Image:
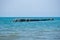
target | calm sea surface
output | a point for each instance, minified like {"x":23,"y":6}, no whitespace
{"x":39,"y":30}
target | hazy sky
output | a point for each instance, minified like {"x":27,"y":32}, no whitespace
{"x":21,"y":8}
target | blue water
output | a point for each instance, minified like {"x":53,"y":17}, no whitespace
{"x":39,"y":30}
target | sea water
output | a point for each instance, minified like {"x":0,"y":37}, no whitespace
{"x":35,"y":30}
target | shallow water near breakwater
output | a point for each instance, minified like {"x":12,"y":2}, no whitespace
{"x":39,"y":30}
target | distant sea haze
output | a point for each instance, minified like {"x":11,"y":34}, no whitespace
{"x":35,"y":30}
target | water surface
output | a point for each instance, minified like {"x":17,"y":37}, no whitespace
{"x":39,"y":30}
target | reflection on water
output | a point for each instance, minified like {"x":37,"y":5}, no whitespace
{"x":32,"y":35}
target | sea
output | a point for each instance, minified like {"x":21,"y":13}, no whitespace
{"x":34,"y":30}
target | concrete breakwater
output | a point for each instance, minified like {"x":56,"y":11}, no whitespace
{"x":29,"y":20}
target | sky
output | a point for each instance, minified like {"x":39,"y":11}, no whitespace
{"x":29,"y":8}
